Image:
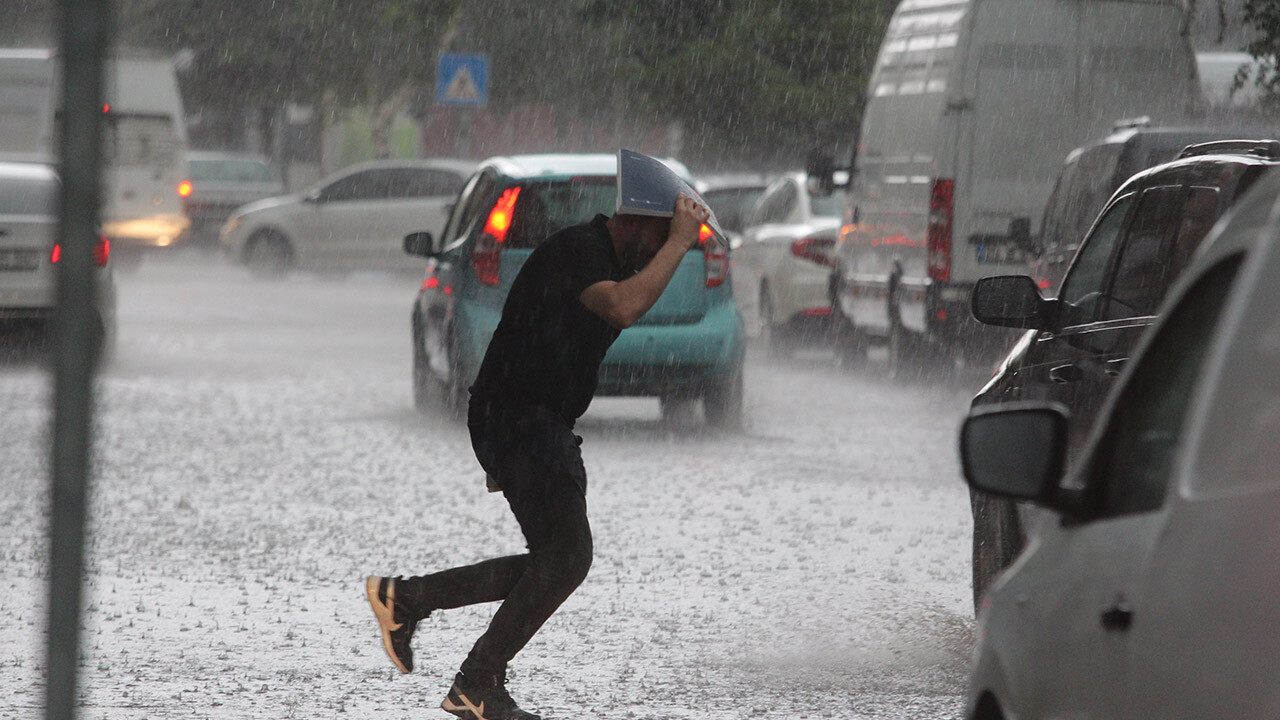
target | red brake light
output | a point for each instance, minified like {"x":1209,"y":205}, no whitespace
{"x":184,"y":188}
{"x":484,"y":256}
{"x":500,"y":216}
{"x":938,"y":235}
{"x":704,"y":233}
{"x":815,"y":249}
{"x":101,"y":252}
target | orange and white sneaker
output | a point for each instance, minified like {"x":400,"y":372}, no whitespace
{"x":394,"y":620}
{"x":471,"y":700}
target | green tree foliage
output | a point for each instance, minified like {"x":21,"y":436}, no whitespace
{"x":768,"y":79}
{"x":1262,"y":17}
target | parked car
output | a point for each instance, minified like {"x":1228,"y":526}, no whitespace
{"x":29,"y":251}
{"x":1078,"y":342}
{"x":782,"y":270}
{"x":961,"y":138}
{"x":355,"y":219}
{"x":1091,"y":174}
{"x":218,"y":183}
{"x":688,"y":346}
{"x":1153,"y":592}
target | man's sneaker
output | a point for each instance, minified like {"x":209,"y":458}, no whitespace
{"x":393,"y":619}
{"x":489,"y":700}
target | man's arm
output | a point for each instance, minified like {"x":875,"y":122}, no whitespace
{"x":621,"y":304}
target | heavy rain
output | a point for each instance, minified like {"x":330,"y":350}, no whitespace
{"x":925,"y":215}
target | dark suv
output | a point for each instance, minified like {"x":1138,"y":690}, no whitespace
{"x":1091,"y":174}
{"x":1078,"y":341}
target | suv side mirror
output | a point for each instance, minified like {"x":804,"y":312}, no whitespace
{"x":1009,"y":301}
{"x":420,"y":244}
{"x":821,"y":171}
{"x":1020,"y":233}
{"x":1016,"y":450}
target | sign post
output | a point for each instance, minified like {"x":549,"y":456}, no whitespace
{"x":84,"y":30}
{"x":462,"y":81}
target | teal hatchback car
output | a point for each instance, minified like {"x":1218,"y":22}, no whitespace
{"x":688,"y":347}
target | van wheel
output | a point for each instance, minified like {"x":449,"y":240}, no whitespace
{"x":676,"y":410}
{"x":722,"y":402}
{"x":850,"y":343}
{"x":269,"y":255}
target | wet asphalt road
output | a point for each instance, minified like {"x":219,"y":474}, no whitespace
{"x":258,"y":454}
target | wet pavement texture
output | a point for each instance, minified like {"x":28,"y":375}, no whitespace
{"x":258,"y":454}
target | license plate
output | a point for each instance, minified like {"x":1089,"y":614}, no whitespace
{"x":19,"y":260}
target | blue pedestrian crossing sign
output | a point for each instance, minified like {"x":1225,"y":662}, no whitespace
{"x":462,"y":80}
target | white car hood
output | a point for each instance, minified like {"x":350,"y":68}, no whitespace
{"x":269,"y":204}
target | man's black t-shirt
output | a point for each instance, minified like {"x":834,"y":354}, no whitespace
{"x":548,"y":346}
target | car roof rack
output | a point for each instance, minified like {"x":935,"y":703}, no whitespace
{"x":1269,"y":149}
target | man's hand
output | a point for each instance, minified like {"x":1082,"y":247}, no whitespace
{"x":687,"y":221}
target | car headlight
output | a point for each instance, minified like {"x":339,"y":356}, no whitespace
{"x":233,"y":222}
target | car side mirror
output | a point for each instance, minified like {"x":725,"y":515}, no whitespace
{"x":312,"y":196}
{"x":1010,"y":301}
{"x":1017,"y":450}
{"x":821,"y":170}
{"x":1020,"y":233}
{"x":420,"y":244}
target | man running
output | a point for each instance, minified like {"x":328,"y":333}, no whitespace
{"x":576,"y":292}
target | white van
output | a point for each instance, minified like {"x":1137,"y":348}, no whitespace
{"x":971,"y":108}
{"x":144,"y":142}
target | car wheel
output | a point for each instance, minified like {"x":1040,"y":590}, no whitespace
{"x":422,"y":381}
{"x":771,"y":336}
{"x":269,"y":255}
{"x":454,"y":388}
{"x":722,"y":402}
{"x":997,"y":540}
{"x":676,"y":410}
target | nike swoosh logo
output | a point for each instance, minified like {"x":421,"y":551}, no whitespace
{"x":477,"y":710}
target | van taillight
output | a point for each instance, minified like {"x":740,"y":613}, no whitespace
{"x":715,"y":255}
{"x":938,"y":236}
{"x":101,"y":252}
{"x":816,"y":249}
{"x":485,"y":255}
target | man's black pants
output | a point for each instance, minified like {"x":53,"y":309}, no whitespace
{"x":533,"y":455}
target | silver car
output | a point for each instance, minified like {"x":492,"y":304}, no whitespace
{"x":29,"y":253}
{"x":1151,"y":592}
{"x":353,"y":220}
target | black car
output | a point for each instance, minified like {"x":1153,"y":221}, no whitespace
{"x":1078,"y":341}
{"x":1091,"y":174}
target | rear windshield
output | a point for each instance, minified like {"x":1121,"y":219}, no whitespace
{"x":545,"y":207}
{"x":827,"y":206}
{"x":231,"y":171}
{"x":731,"y":205}
{"x":27,"y":196}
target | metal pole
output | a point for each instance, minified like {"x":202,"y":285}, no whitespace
{"x":84,"y":30}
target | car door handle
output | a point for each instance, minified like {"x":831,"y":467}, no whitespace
{"x":1064,"y":374}
{"x":1114,"y":367}
{"x":1118,"y":618}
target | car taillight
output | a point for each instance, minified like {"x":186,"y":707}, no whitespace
{"x":485,"y":255}
{"x":184,"y":189}
{"x":938,"y":236}
{"x":715,"y":255}
{"x":101,"y":252}
{"x":816,"y":249}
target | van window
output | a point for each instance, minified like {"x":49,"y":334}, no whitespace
{"x":131,"y":140}
{"x":1134,"y":461}
{"x":1082,"y":287}
{"x":1138,"y":283}
{"x":230,"y":171}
